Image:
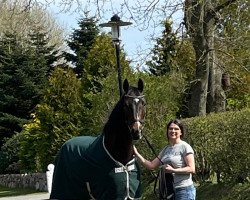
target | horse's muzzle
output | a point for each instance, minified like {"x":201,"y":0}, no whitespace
{"x":136,"y":130}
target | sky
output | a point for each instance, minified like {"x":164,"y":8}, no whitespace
{"x":132,"y":39}
{"x":135,"y":42}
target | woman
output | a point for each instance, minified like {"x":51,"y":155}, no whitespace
{"x":178,"y":159}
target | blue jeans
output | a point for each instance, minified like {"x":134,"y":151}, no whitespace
{"x":185,"y":193}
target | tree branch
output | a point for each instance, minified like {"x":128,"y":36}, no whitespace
{"x":212,"y":12}
{"x":223,"y":5}
{"x":234,"y":59}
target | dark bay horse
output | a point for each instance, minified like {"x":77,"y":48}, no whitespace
{"x":104,"y":167}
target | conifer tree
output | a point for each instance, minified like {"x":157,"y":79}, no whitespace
{"x":24,"y":67}
{"x":80,"y":43}
{"x":44,"y":53}
{"x":164,"y":52}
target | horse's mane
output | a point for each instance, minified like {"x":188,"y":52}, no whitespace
{"x":116,"y":120}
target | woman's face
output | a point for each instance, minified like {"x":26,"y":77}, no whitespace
{"x":174,"y":131}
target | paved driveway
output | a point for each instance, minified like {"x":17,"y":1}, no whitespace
{"x":36,"y":196}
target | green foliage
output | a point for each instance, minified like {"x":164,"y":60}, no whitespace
{"x":9,"y":159}
{"x":223,"y":191}
{"x":162,"y":101}
{"x":43,"y":54}
{"x":24,"y":67}
{"x":29,"y":146}
{"x":97,"y":68}
{"x":238,"y":103}
{"x":164,"y":52}
{"x":58,"y":118}
{"x":100,"y":63}
{"x":173,"y":55}
{"x":210,"y":191}
{"x":80,"y":43}
{"x":234,"y":42}
{"x":7,"y":192}
{"x":67,"y":111}
{"x":221,"y":144}
{"x":185,"y":59}
{"x":103,"y":102}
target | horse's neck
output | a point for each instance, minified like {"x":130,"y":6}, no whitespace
{"x":120,"y":148}
{"x":118,"y":140}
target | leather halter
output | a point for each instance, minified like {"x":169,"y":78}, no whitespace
{"x":135,"y":120}
{"x":134,"y":97}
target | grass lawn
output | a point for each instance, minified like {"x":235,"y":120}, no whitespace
{"x":7,"y":192}
{"x":207,"y":191}
{"x":211,"y":191}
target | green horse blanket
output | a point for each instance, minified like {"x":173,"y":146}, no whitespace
{"x":85,"y":170}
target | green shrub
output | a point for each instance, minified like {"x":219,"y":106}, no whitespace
{"x":9,"y":158}
{"x":57,"y":118}
{"x":221,"y":143}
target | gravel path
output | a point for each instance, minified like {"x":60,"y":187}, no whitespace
{"x":36,"y":196}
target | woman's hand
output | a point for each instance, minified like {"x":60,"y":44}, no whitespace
{"x":168,"y":169}
{"x":135,"y":150}
{"x":146,"y":163}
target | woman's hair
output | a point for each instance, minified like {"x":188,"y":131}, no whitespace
{"x":181,"y":126}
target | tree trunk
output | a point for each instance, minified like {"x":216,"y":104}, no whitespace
{"x":197,"y":103}
{"x":206,"y":91}
{"x":194,"y":18}
{"x":216,"y":98}
{"x":212,"y":74}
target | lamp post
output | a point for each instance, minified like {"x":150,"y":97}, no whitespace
{"x":115,"y":23}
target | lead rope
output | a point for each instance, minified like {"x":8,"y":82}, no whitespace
{"x":160,"y":175}
{"x":152,"y":149}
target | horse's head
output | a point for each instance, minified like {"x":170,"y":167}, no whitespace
{"x":134,"y":108}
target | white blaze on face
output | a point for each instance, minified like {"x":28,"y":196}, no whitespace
{"x":136,"y":100}
{"x":137,"y":124}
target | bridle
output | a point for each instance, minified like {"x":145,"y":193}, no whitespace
{"x":136,"y":118}
{"x":132,"y":96}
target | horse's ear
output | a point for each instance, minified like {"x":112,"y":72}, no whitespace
{"x":125,"y":86}
{"x":140,"y":85}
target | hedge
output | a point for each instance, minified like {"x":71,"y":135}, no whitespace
{"x":221,"y":144}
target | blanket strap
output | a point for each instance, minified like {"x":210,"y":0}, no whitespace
{"x":124,"y":168}
{"x":89,"y":190}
